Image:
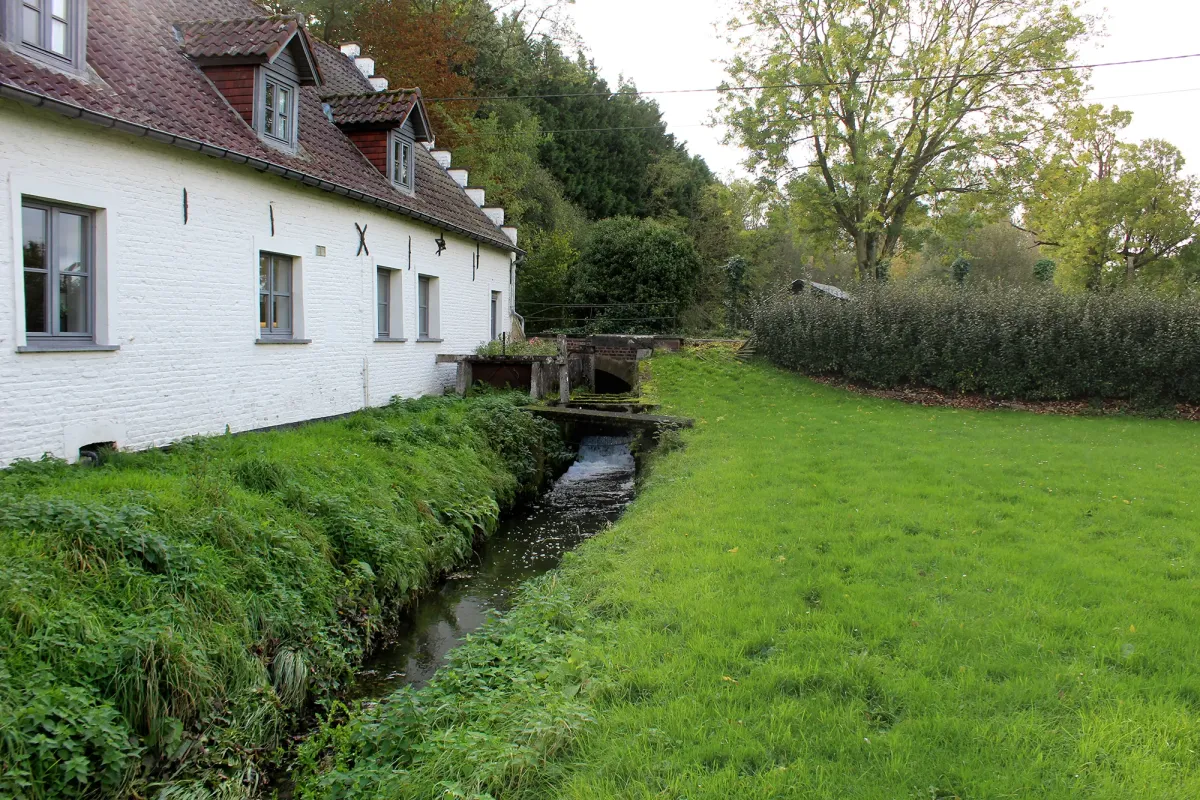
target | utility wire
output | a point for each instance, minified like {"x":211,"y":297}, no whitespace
{"x":819,"y":84}
{"x":511,"y":134}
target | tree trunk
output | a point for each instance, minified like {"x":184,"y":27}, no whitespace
{"x":866,"y":251}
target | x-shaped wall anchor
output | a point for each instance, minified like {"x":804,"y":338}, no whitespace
{"x":362,"y":239}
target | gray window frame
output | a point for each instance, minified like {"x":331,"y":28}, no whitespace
{"x":398,"y":140}
{"x":271,"y":331}
{"x":12,"y":26}
{"x":423,"y":309}
{"x":54,"y":337}
{"x":383,"y":302}
{"x":265,"y":78}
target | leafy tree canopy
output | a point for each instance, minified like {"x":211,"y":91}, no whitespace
{"x":1105,"y":209}
{"x":879,"y":109}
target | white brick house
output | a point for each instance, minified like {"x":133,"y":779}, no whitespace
{"x":170,"y":268}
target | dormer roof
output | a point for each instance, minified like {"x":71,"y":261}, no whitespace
{"x":254,"y":40}
{"x":389,"y":109}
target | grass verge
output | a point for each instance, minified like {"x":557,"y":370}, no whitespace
{"x":832,"y":596}
{"x":167,"y":617}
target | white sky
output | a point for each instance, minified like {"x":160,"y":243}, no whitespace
{"x":678,"y":44}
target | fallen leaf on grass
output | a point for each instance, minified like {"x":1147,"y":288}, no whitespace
{"x":727,"y":678}
{"x":734,"y":550}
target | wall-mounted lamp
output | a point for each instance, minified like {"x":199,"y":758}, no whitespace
{"x":441,"y":243}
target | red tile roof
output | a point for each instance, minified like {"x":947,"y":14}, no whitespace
{"x":225,"y":38}
{"x":372,"y":108}
{"x":141,"y":80}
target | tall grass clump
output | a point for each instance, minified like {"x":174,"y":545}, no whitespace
{"x":494,"y":722}
{"x":1032,"y":343}
{"x":166,"y":618}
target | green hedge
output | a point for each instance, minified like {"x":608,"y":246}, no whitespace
{"x":167,"y":618}
{"x":1029,"y":343}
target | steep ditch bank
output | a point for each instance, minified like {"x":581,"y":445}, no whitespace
{"x":168,"y":617}
{"x":587,"y":498}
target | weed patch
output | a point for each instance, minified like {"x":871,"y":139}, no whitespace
{"x":166,"y":618}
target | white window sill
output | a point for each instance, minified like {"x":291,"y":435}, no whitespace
{"x":389,"y":340}
{"x":68,"y":347}
{"x":428,"y":339}
{"x":281,"y":340}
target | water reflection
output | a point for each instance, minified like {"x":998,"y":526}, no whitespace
{"x":590,"y":495}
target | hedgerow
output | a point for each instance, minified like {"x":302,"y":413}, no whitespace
{"x":1032,"y":343}
{"x":166,"y":618}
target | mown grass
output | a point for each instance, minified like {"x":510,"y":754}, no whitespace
{"x":166,"y":618}
{"x":830,"y":596}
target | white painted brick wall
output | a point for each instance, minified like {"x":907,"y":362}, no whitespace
{"x":183,"y":299}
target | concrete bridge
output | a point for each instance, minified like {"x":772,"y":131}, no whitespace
{"x":603,"y":363}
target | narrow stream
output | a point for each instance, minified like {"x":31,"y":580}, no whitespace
{"x":590,"y":495}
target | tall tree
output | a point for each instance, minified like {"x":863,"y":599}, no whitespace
{"x":1107,"y":209}
{"x":878,"y":108}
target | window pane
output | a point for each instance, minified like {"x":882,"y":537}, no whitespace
{"x":58,"y":37}
{"x":283,"y":109}
{"x":283,"y":275}
{"x":264,"y":266}
{"x":406,"y":152}
{"x":397,"y":161}
{"x":73,"y":304}
{"x":31,"y":24}
{"x":33,"y":224}
{"x":35,"y":302}
{"x":382,"y":290}
{"x":269,"y":117}
{"x":423,"y":307}
{"x":59,"y":8}
{"x":69,"y":242}
{"x":283,"y":314}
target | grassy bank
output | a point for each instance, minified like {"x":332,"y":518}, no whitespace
{"x":167,"y":617}
{"x":829,"y":596}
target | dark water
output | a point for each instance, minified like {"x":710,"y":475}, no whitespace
{"x":589,"y":496}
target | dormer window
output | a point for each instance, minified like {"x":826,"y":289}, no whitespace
{"x":278,"y":116}
{"x":401,"y":157}
{"x":51,"y":31}
{"x":259,"y":65}
{"x":386,"y":127}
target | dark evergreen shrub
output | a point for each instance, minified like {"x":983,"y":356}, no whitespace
{"x":1043,"y":270}
{"x":641,"y":275}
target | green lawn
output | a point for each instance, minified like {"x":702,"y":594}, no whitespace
{"x":829,"y":596}
{"x":832,"y":596}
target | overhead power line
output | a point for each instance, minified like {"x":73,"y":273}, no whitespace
{"x":819,"y":84}
{"x":518,"y":134}
{"x":705,"y":125}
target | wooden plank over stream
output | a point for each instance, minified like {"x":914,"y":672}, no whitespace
{"x":610,"y":417}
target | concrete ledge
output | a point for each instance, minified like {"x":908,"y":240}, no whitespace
{"x":610,"y":417}
{"x":282,"y":341}
{"x":69,"y":348}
